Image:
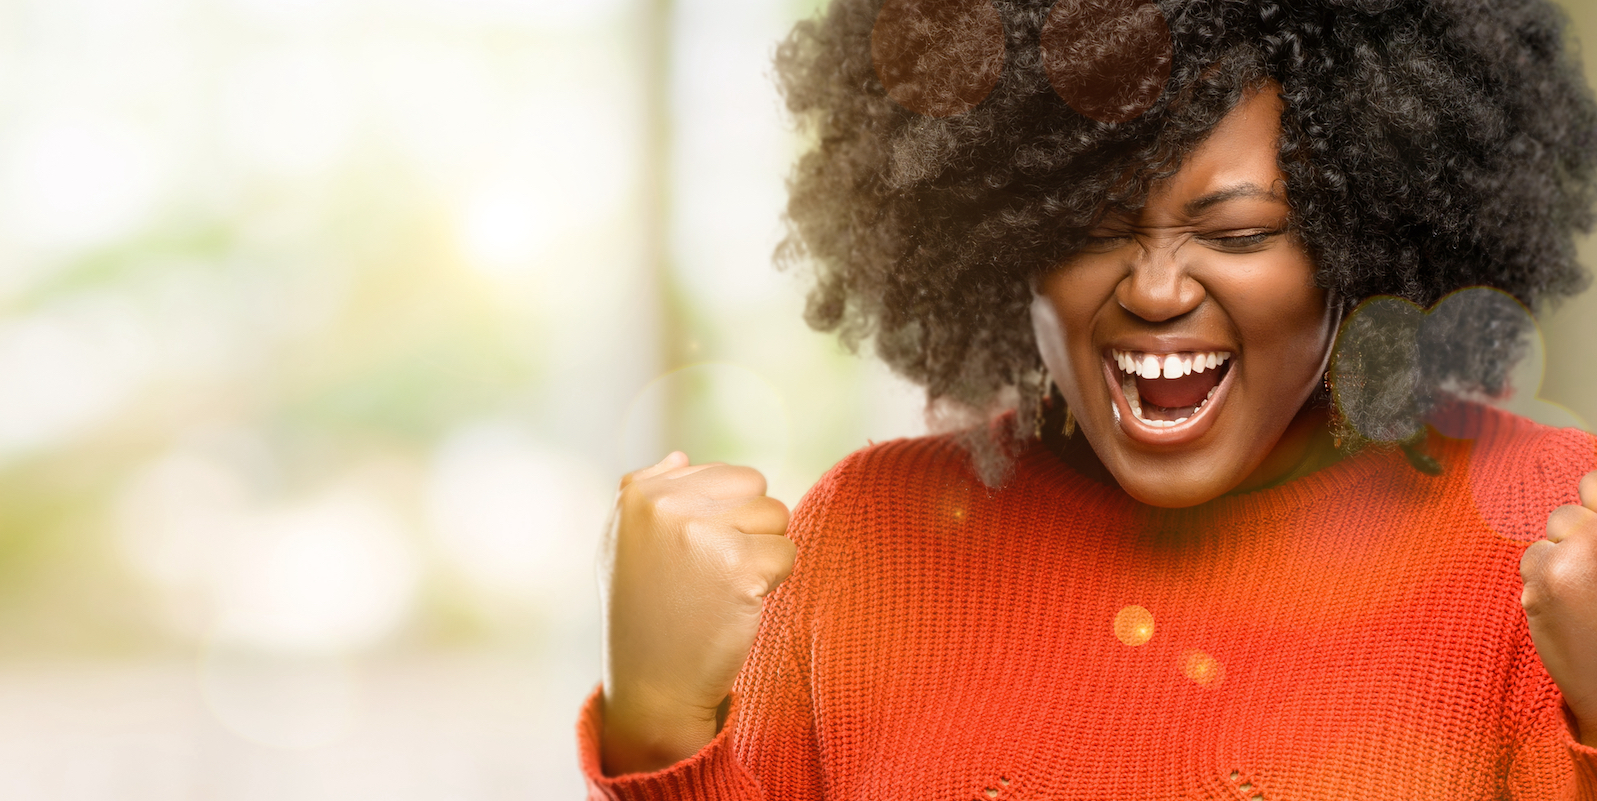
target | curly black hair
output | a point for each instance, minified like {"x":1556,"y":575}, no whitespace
{"x":1429,"y":145}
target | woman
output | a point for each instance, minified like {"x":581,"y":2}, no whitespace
{"x":1216,"y":548}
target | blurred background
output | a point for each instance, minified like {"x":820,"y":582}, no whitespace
{"x":326,"y":329}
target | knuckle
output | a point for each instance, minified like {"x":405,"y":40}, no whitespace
{"x":1566,"y":518}
{"x":702,"y":532}
{"x":1531,"y":559}
{"x":1533,"y":600}
{"x":628,"y":480}
{"x":749,"y":591}
{"x":781,"y":511}
{"x":644,"y":503}
{"x":637,"y":502}
{"x":742,"y":479}
{"x":674,"y":506}
{"x":776,"y":561}
{"x":785,"y":564}
{"x":1564,"y":578}
{"x":770,"y":512}
{"x":729,"y":562}
{"x":630,"y":495}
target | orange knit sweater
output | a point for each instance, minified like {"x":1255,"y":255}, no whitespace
{"x":1354,"y":634}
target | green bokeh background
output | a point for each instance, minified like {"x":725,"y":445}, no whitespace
{"x":453,"y":264}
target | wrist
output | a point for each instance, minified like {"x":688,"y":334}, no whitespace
{"x":1585,"y":731}
{"x":1582,"y":724}
{"x":642,"y":735}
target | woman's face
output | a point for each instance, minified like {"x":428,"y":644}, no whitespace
{"x":1187,"y":336}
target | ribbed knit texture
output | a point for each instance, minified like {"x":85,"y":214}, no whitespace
{"x":1354,"y":634}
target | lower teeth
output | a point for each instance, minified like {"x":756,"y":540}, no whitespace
{"x":1134,"y":400}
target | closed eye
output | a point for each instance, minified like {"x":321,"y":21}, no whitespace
{"x":1242,"y":243}
{"x":1104,"y":242}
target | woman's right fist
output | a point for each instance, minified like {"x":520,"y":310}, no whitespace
{"x":689,"y":556}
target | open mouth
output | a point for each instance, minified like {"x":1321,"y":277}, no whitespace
{"x":1169,"y":390}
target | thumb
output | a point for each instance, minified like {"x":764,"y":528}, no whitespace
{"x":672,"y":461}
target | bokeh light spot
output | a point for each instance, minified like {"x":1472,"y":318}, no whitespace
{"x":69,"y":369}
{"x":1109,"y":59}
{"x":288,"y":701}
{"x":79,"y":179}
{"x":938,"y":57}
{"x":513,"y":516}
{"x":1390,"y":336}
{"x":953,"y":509}
{"x":1134,"y":625}
{"x":330,"y":576}
{"x":726,"y":413}
{"x":1201,"y":668}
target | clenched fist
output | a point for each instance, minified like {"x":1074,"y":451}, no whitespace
{"x":1560,"y":601}
{"x":690,"y":554}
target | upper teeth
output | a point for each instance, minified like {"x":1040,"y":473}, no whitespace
{"x":1168,"y":365}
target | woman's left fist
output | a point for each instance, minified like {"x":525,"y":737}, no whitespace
{"x":1560,"y":601}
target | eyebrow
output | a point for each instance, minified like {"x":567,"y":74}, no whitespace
{"x":1228,"y":194}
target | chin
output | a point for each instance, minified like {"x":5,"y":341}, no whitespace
{"x":1187,"y":424}
{"x":1173,"y":482}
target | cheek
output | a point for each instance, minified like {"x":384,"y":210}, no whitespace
{"x":1062,"y":317}
{"x":1276,"y":305}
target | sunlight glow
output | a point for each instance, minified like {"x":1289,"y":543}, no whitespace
{"x":329,"y":576}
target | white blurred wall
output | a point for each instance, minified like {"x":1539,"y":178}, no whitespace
{"x":326,"y":328}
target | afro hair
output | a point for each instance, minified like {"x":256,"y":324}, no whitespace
{"x":1429,"y":146}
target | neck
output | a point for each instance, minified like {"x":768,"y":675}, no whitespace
{"x":1306,"y":446}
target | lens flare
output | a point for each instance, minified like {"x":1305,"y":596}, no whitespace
{"x":1109,"y":59}
{"x":1134,"y":625}
{"x":1203,"y":669}
{"x":938,"y":57}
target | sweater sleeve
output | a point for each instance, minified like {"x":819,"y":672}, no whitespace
{"x":767,"y":750}
{"x":1546,"y":760}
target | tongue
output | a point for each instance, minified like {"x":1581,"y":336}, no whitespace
{"x":1174,"y":393}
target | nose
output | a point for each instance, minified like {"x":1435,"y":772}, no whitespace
{"x":1157,"y":286}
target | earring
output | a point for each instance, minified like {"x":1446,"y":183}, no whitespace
{"x":1042,"y":408}
{"x":1330,"y":398}
{"x":1042,"y":403}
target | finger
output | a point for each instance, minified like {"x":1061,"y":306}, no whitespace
{"x":772,"y":556}
{"x":687,"y":470}
{"x":1532,"y":564}
{"x":758,"y":515}
{"x":727,"y":481}
{"x":675,"y":473}
{"x":1566,"y":519}
{"x":672,"y":461}
{"x":1588,"y":491}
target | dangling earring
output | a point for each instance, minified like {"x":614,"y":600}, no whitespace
{"x":1336,"y":416}
{"x":1042,"y":405}
{"x":1042,"y":402}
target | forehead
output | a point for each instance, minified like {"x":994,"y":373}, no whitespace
{"x":1241,"y":152}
